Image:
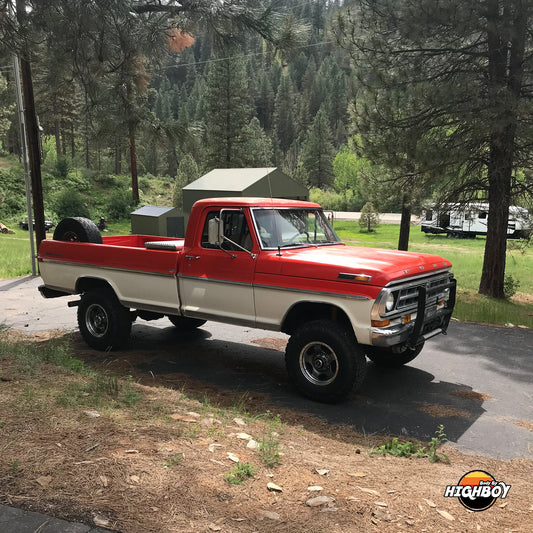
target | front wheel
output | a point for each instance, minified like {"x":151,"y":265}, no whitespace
{"x":105,"y":324}
{"x":324,"y":361}
{"x":392,"y":357}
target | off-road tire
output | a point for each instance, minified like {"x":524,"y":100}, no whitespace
{"x":324,"y":361}
{"x":388,"y":358}
{"x":105,"y":324}
{"x":77,"y":229}
{"x":186,"y":324}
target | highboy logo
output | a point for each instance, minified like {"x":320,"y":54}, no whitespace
{"x":477,"y":490}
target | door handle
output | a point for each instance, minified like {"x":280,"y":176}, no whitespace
{"x":191,"y":257}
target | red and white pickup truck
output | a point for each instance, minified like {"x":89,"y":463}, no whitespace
{"x":263,"y":263}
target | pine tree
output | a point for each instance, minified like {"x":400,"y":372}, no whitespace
{"x":369,"y":218}
{"x":258,"y":150}
{"x":284,"y":113}
{"x":187,"y":173}
{"x":227,"y":112}
{"x":318,"y":152}
{"x":465,"y":70}
{"x":264,"y":102}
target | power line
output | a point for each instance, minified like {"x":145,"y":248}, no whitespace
{"x":241,"y":56}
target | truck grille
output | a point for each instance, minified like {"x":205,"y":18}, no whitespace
{"x":406,"y":296}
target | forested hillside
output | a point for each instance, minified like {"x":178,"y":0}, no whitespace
{"x":395,"y":102}
{"x":243,"y":103}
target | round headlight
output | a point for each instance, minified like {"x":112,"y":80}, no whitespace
{"x":389,"y":302}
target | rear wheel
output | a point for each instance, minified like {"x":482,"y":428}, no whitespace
{"x":105,"y":324}
{"x":324,"y":361}
{"x":186,"y":324}
{"x":392,"y":357}
{"x":77,"y":229}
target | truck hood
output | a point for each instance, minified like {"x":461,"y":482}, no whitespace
{"x":382,"y":265}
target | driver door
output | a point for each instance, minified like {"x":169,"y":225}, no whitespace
{"x":217,"y":282}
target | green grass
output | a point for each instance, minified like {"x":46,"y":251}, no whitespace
{"x":15,"y":254}
{"x":15,"y":258}
{"x":29,"y":358}
{"x":466,"y":256}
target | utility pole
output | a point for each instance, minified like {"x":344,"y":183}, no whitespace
{"x":32,"y":130}
{"x":25,"y":159}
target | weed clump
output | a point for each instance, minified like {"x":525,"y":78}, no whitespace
{"x":411,"y":449}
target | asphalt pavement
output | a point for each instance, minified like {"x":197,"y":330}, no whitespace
{"x":476,"y":381}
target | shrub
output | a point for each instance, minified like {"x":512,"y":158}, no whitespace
{"x":70,"y":203}
{"x":144,"y":184}
{"x":119,"y":205}
{"x":63,"y":166}
{"x":510,"y":286}
{"x":331,"y":200}
{"x":107,"y":181}
{"x":369,"y":217}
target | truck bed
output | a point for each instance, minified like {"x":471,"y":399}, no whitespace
{"x":144,"y":253}
{"x":145,"y":268}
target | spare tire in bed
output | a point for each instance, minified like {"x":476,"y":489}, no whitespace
{"x":77,"y":229}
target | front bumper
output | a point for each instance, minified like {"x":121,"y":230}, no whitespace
{"x":429,"y":322}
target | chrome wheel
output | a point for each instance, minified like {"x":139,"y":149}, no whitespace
{"x":319,"y":363}
{"x":96,"y":320}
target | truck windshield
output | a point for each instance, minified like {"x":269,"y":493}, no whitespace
{"x":283,"y":228}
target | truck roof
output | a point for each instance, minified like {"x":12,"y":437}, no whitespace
{"x":256,"y":202}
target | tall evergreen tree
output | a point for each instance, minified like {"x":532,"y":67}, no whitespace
{"x":258,"y":150}
{"x":187,"y":173}
{"x":264,"y":102}
{"x":318,"y":152}
{"x":468,"y":68}
{"x":284,"y":113}
{"x":227,"y":112}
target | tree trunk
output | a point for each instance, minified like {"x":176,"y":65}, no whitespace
{"x":57,"y":136}
{"x":87,"y":155}
{"x":172,"y":160}
{"x":86,"y":133}
{"x":72,"y":143}
{"x":133,"y":166}
{"x":506,"y":67}
{"x":118,"y":157}
{"x":405,"y":224}
{"x":493,"y":273}
{"x":64,"y":142}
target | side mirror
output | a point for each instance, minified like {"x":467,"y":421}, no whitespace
{"x":215,"y":231}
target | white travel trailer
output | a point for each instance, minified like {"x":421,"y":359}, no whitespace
{"x":469,"y":220}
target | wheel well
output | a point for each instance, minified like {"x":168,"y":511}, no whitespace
{"x":87,"y":284}
{"x":308,"y":311}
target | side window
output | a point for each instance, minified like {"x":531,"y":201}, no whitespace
{"x":483,"y":215}
{"x":235,"y":228}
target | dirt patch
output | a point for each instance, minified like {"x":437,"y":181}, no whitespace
{"x":526,"y":424}
{"x":439,"y":411}
{"x":154,"y":459}
{"x":271,"y":343}
{"x":522,"y":298}
{"x":473,"y":395}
